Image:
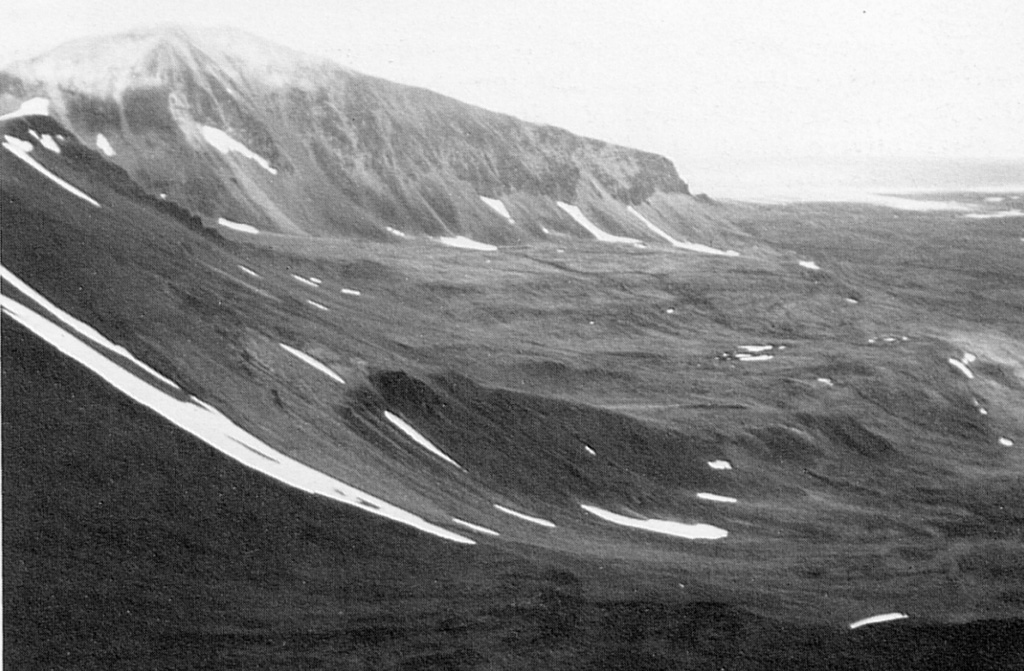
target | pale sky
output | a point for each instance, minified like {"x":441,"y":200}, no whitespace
{"x":699,"y":81}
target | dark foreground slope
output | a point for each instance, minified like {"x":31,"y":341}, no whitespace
{"x":345,"y":154}
{"x":128,"y":543}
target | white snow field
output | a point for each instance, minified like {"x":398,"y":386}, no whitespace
{"x":103,"y":144}
{"x":668,"y":527}
{"x":31,"y":107}
{"x":418,"y":437}
{"x":235,"y":226}
{"x":302,"y":356}
{"x":463,"y":242}
{"x":210,"y":426}
{"x":690,"y":246}
{"x":582,"y":220}
{"x":498,"y":207}
{"x":226,"y":144}
{"x":21,"y":148}
{"x":49,"y":143}
{"x":529,"y":518}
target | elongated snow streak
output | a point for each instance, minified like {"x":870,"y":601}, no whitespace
{"x":996,"y":215}
{"x":720,"y":465}
{"x":248,"y":272}
{"x":209,"y":425}
{"x":351,"y":292}
{"x":810,"y":265}
{"x":396,"y":232}
{"x":302,"y":356}
{"x":968,"y":358}
{"x":690,"y":246}
{"x":825,"y":381}
{"x":17,"y":147}
{"x":755,"y":357}
{"x":463,"y":242}
{"x":226,"y":144}
{"x":318,"y":305}
{"x":755,"y":348}
{"x":103,"y":144}
{"x":408,"y":430}
{"x":304,"y":280}
{"x":31,"y":107}
{"x":962,"y":367}
{"x":582,"y":220}
{"x":316,"y":280}
{"x":667,"y":527}
{"x":498,"y":207}
{"x":235,"y":226}
{"x":716,"y":497}
{"x":875,"y":619}
{"x":529,"y":518}
{"x":51,"y":144}
{"x":590,"y":450}
{"x":1006,"y":442}
{"x":79,"y":326}
{"x":475,"y":527}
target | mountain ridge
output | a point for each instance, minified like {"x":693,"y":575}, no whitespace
{"x":346,"y":153}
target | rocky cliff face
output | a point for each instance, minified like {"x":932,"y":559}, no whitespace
{"x":232,"y":126}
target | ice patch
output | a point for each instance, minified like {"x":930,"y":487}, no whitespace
{"x":302,"y":356}
{"x":1006,"y":442}
{"x":720,"y":465}
{"x":17,"y":147}
{"x":396,"y":232}
{"x":248,"y":272}
{"x":226,"y":144}
{"x":810,"y":265}
{"x":235,"y":226}
{"x":351,"y":292}
{"x":302,"y":279}
{"x":582,"y":220}
{"x":475,"y":527}
{"x":995,"y":215}
{"x":103,"y":144}
{"x":755,"y":357}
{"x":48,"y":142}
{"x":498,"y":207}
{"x":528,"y":518}
{"x":716,"y":497}
{"x":755,"y":348}
{"x":81,"y":327}
{"x":465,"y":243}
{"x":210,"y":426}
{"x":962,"y":367}
{"x":679,"y":529}
{"x":691,"y":246}
{"x":318,"y":305}
{"x":418,"y":437}
{"x":875,"y":619}
{"x":825,"y":381}
{"x":31,"y":107}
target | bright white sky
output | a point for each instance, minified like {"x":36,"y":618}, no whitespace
{"x":694,"y":80}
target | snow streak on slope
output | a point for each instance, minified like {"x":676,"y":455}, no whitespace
{"x":582,"y":220}
{"x":81,"y":327}
{"x":210,"y":426}
{"x":20,"y":148}
{"x":466,"y":243}
{"x":235,"y":226}
{"x":874,"y":619}
{"x":104,"y":145}
{"x":691,"y":531}
{"x":302,"y":356}
{"x":31,"y":107}
{"x":226,"y":144}
{"x":529,"y":518}
{"x":422,"y":440}
{"x":690,"y":246}
{"x":475,"y":527}
{"x":498,"y":207}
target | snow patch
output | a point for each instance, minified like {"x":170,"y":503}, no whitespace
{"x":226,"y":144}
{"x":523,"y":516}
{"x":316,"y":280}
{"x":103,"y":144}
{"x":1006,"y":442}
{"x":825,"y":381}
{"x":210,"y":426}
{"x":962,"y":367}
{"x":589,"y":450}
{"x":17,"y":147}
{"x":302,"y":279}
{"x":715,"y":497}
{"x":302,"y":356}
{"x":875,"y":619}
{"x":48,"y":142}
{"x":754,"y":357}
{"x":498,"y":207}
{"x":351,"y":292}
{"x":679,"y":529}
{"x":755,"y":348}
{"x":465,"y":243}
{"x":852,"y":301}
{"x":720,"y":465}
{"x":691,"y":246}
{"x":31,"y":107}
{"x":396,"y":232}
{"x":318,"y":306}
{"x":582,"y":220}
{"x":475,"y":527}
{"x":408,"y":430}
{"x":810,"y":265}
{"x":235,"y":226}
{"x":248,"y":272}
{"x":995,"y":215}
